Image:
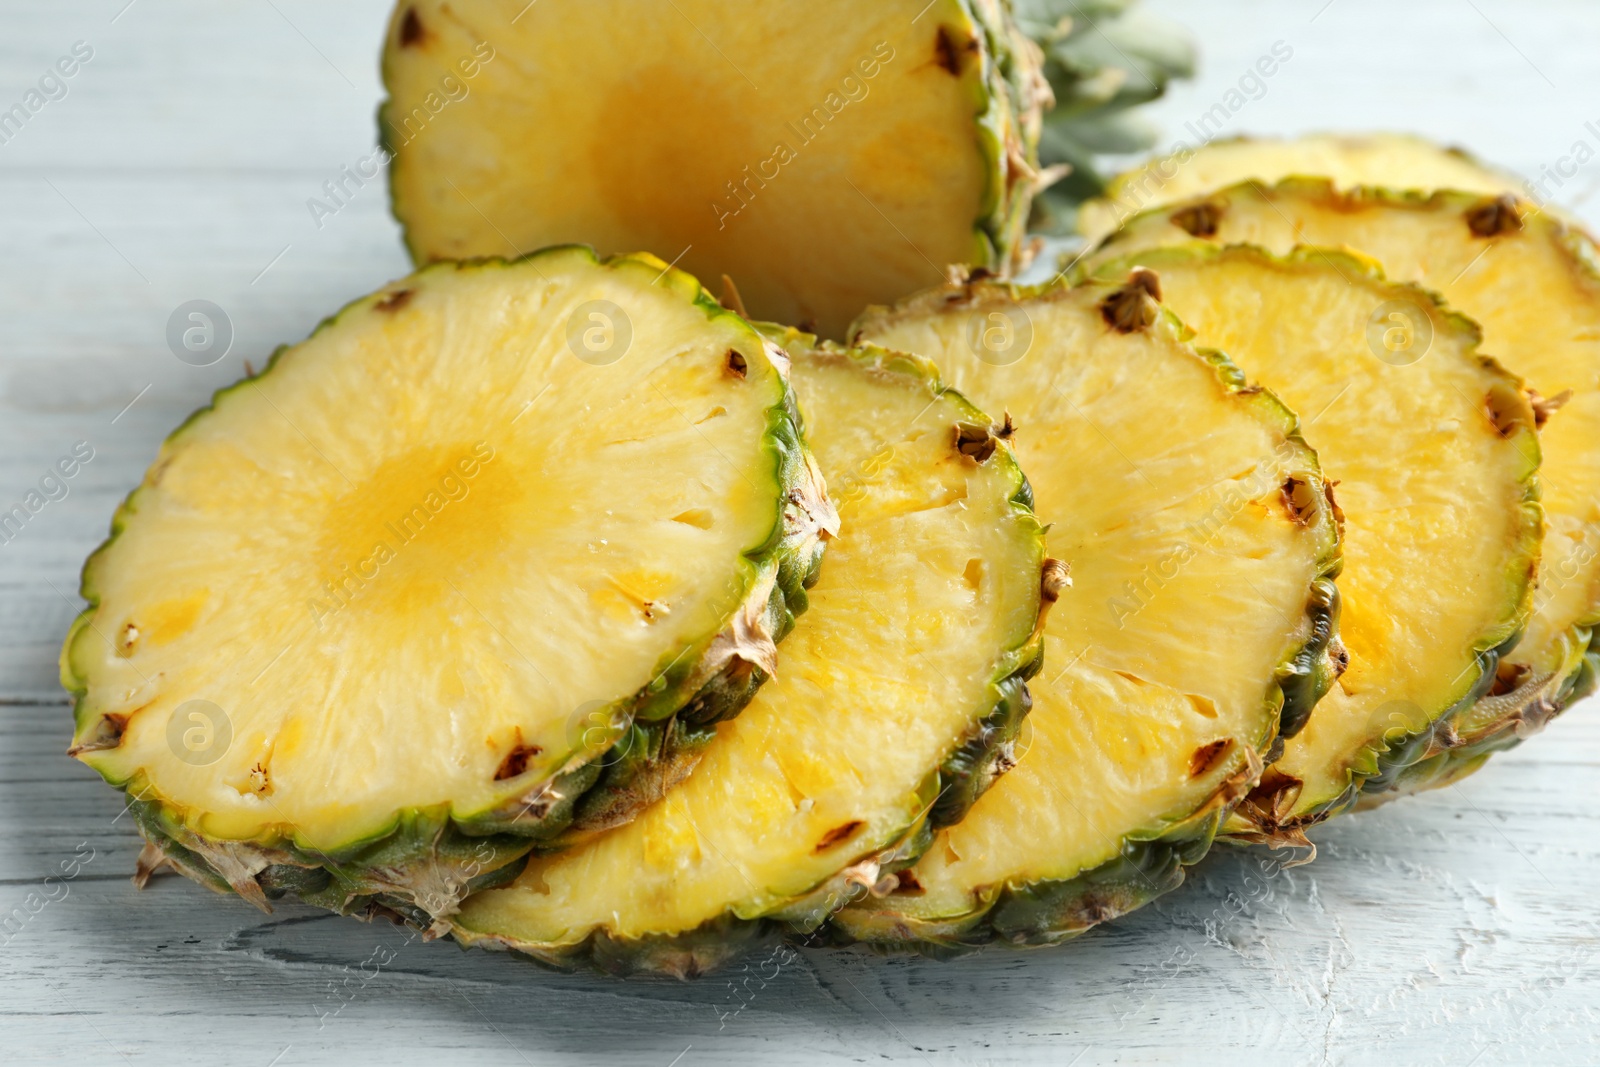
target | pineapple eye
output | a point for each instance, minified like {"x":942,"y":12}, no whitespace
{"x":394,"y":301}
{"x":1133,"y":307}
{"x":838,"y":834}
{"x":411,"y":31}
{"x":1199,"y":220}
{"x":516,"y":762}
{"x":974,"y":441}
{"x":1495,"y":217}
{"x":1207,"y":757}
{"x":1299,"y":498}
{"x":952,"y":50}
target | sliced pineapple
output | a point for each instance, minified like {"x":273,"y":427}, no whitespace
{"x":1433,"y":449}
{"x":487,"y":553}
{"x":1531,"y":281}
{"x":1200,"y":627}
{"x":895,"y":703}
{"x":821,"y":154}
{"x":1394,"y":161}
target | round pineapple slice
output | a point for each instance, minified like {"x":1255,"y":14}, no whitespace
{"x":1531,"y":281}
{"x":822,"y":154}
{"x":486,"y":554}
{"x":1392,"y":160}
{"x":895,"y":702}
{"x":1199,"y":631}
{"x":1434,"y":452}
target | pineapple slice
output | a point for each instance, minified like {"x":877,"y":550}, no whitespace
{"x":1200,"y":627}
{"x":1532,"y":282}
{"x":1392,"y":160}
{"x":1434,"y":452}
{"x":895,"y":701}
{"x":487,"y":553}
{"x":822,"y":155}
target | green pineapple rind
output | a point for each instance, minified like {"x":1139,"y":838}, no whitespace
{"x":945,"y":794}
{"x":671,"y":717}
{"x":1014,"y":101}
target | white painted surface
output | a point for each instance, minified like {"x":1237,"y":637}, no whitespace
{"x":1453,"y":929}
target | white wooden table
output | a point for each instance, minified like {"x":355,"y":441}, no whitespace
{"x":1453,"y":929}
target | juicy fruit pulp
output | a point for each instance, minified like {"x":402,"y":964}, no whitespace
{"x":392,"y":584}
{"x":1394,"y":161}
{"x":821,"y":154}
{"x":908,"y":665}
{"x":1530,"y":282}
{"x":1201,"y":543}
{"x":1433,"y":450}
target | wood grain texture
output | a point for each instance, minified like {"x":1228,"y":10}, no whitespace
{"x":1454,"y":929}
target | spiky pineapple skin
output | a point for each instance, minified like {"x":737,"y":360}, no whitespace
{"x":1051,"y":912}
{"x":946,"y":793}
{"x":674,"y":712}
{"x":1152,"y":862}
{"x":1450,"y":749}
{"x":1010,"y":125}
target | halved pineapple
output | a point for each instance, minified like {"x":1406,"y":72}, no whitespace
{"x":895,"y":702}
{"x":1392,"y":160}
{"x":1433,"y":449}
{"x":821,"y":153}
{"x":1531,"y":281}
{"x":1199,"y":630}
{"x":487,"y":553}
